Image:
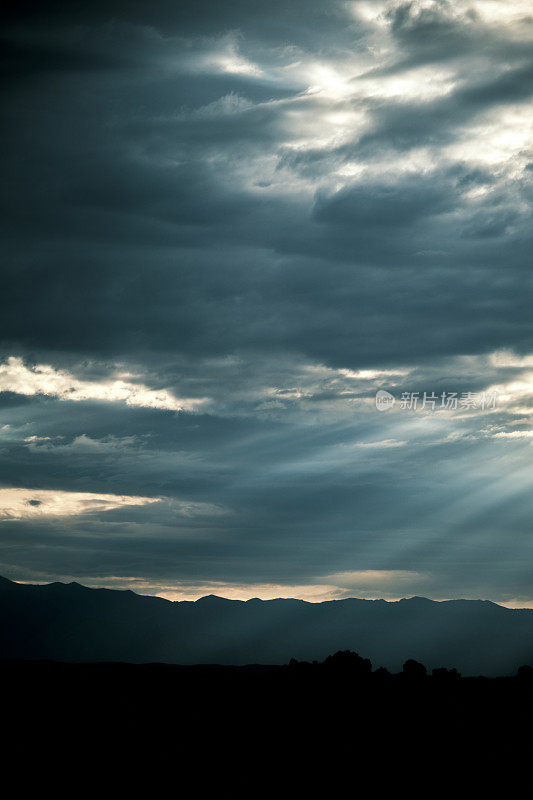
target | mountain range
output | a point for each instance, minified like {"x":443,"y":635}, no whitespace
{"x":70,"y":622}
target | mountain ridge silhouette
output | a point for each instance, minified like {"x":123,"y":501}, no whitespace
{"x":72,"y":622}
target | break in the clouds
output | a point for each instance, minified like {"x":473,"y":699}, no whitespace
{"x":23,"y":504}
{"x":225,"y":227}
{"x":43,"y":379}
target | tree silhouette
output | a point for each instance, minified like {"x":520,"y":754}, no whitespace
{"x":525,"y":672}
{"x":441,"y":673}
{"x":414,"y":669}
{"x":382,"y":672}
{"x":346,"y":661}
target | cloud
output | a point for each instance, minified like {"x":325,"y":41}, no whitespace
{"x":21,"y":504}
{"x":16,"y":377}
{"x":514,"y":435}
{"x":383,"y":444}
{"x":380,"y":584}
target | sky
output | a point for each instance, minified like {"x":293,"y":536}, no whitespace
{"x":225,"y":228}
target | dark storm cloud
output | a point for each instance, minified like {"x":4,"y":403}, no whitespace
{"x":238,"y":202}
{"x":295,"y":23}
{"x":123,"y":161}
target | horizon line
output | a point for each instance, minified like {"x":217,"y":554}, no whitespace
{"x":273,"y":599}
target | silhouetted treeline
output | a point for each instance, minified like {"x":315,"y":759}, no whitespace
{"x":306,"y":728}
{"x":350,"y":664}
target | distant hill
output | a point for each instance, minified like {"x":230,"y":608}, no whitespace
{"x":70,"y":622}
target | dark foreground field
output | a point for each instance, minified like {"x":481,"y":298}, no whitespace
{"x":312,"y":729}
